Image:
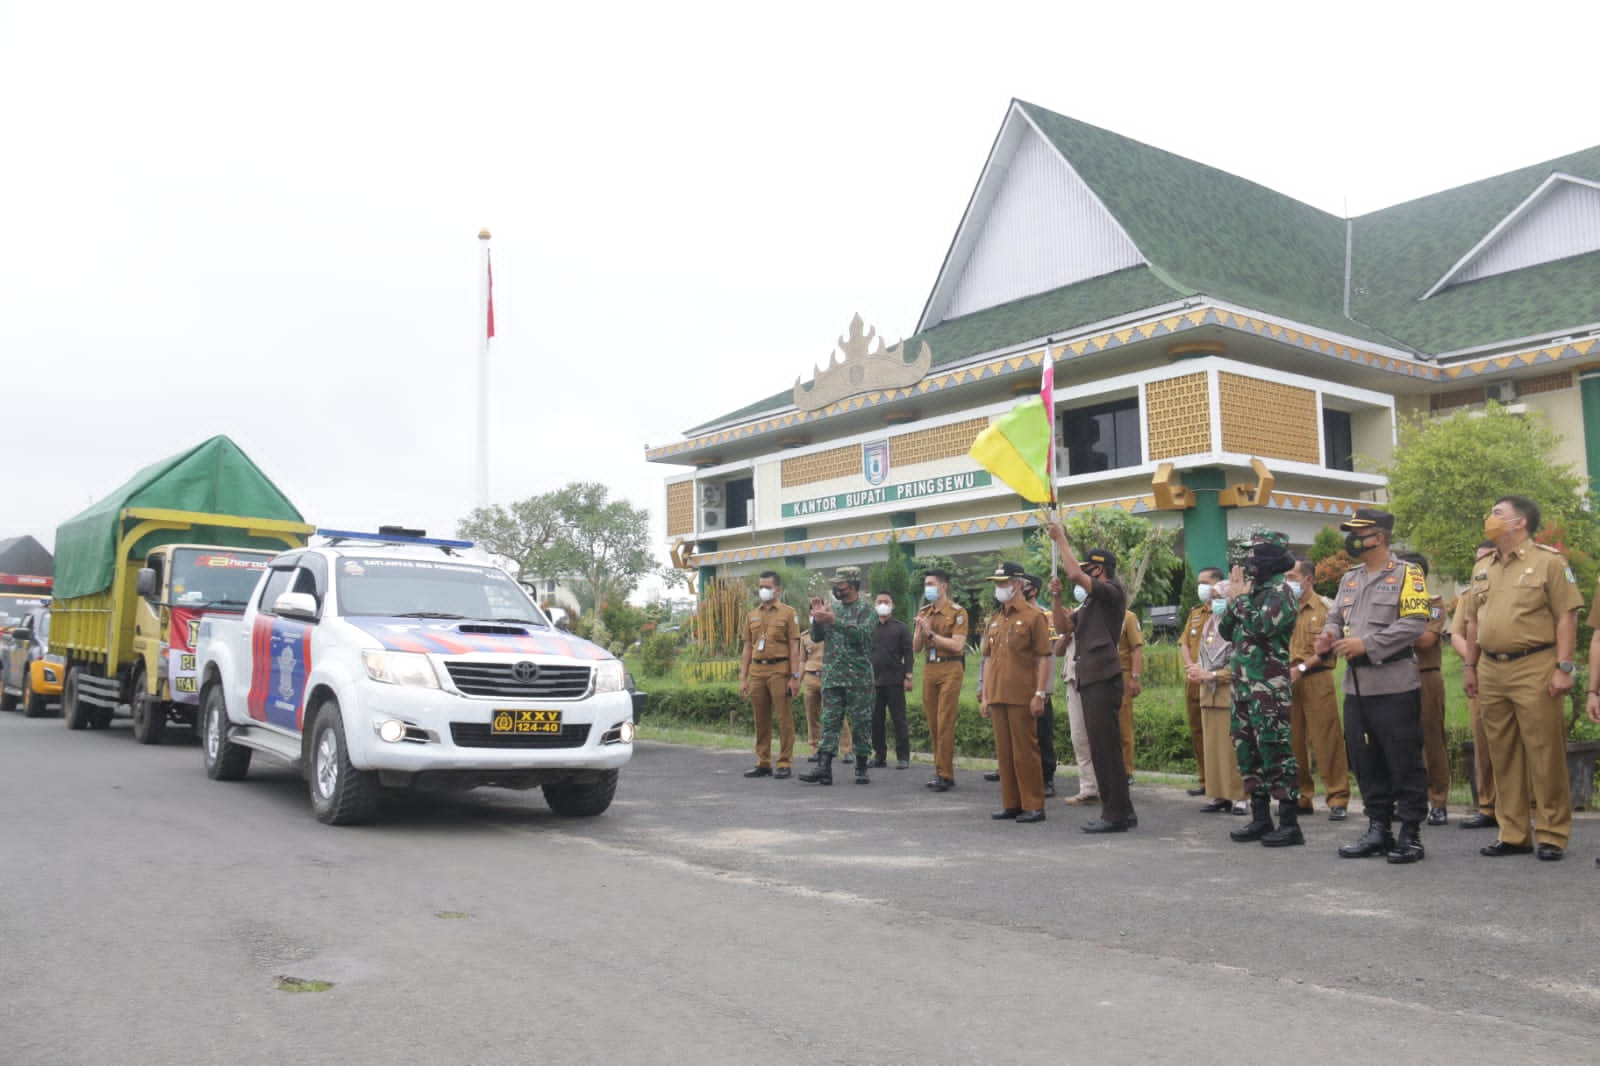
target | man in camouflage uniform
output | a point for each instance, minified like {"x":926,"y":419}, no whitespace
{"x":847,"y":677}
{"x":1259,"y":621}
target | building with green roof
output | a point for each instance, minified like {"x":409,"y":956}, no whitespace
{"x":1224,"y":356}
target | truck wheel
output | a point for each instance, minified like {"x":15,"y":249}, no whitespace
{"x":225,"y":760}
{"x":73,"y":710}
{"x":340,"y":794}
{"x":572,"y":800}
{"x":149,"y":713}
{"x":33,"y":703}
{"x":100,"y":718}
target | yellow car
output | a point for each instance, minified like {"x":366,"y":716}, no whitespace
{"x":29,"y":674}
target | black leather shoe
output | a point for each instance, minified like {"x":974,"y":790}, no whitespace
{"x":1100,"y":825}
{"x":1500,"y":848}
{"x":1551,"y":853}
{"x":942,"y":784}
{"x":1030,"y":816}
{"x":903,"y":764}
{"x":992,"y":775}
{"x":1338,"y":814}
{"x":1438,"y":816}
{"x":879,"y":763}
{"x":1479,"y":820}
{"x":934,"y":783}
{"x":780,"y":773}
{"x":1009,"y":812}
{"x":1217,"y":806}
{"x":1377,"y":840}
{"x":759,"y":771}
{"x":1198,"y":790}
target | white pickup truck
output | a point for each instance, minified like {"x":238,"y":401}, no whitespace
{"x":389,"y":660}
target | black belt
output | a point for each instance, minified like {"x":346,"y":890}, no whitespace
{"x":1511,"y":656}
{"x":768,"y":662}
{"x":1317,"y":670}
{"x":948,"y":659}
{"x":1362,"y":660}
{"x":1429,"y":670}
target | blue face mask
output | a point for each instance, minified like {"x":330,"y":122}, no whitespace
{"x":1294,"y":588}
{"x":1078,"y":593}
{"x":930,"y":593}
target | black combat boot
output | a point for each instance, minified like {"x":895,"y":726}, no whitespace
{"x":1260,"y":820}
{"x":1288,"y":832}
{"x":823,"y":774}
{"x":861,"y":772}
{"x":1376,"y":841}
{"x":1408,"y":848}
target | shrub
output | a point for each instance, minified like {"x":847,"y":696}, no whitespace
{"x":657,"y":653}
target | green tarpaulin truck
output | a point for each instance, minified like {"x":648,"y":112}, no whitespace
{"x":137,"y":570}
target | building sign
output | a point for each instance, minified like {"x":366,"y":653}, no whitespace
{"x":906,"y":490}
{"x":875,"y":462}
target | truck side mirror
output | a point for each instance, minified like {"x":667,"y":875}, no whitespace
{"x":301,"y":605}
{"x":147,"y":583}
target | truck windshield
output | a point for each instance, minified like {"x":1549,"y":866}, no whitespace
{"x":420,"y":588}
{"x":215,"y":577}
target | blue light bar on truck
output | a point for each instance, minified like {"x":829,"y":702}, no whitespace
{"x":393,"y":535}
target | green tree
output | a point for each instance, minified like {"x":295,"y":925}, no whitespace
{"x":1447,"y":473}
{"x":969,"y":587}
{"x":576,"y":534}
{"x":893,"y":576}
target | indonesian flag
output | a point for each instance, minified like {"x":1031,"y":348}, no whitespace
{"x":490,"y":266}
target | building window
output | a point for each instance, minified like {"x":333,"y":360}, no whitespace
{"x":1337,"y":448}
{"x":1102,"y":437}
{"x":741,"y":493}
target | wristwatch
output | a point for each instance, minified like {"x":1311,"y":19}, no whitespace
{"x":1566,"y":666}
{"x":795,"y":676}
{"x":1041,"y":694}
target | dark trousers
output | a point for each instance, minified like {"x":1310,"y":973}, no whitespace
{"x":1102,"y":708}
{"x":894,"y":698}
{"x":1047,"y":740}
{"x":1383,"y":736}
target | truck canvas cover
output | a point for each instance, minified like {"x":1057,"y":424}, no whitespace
{"x":215,"y":477}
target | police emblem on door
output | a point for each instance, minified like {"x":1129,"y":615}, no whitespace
{"x":875,"y":461}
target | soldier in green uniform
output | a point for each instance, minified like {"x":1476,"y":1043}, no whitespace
{"x":1259,"y":620}
{"x":847,"y":677}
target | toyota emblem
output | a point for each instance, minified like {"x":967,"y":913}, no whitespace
{"x":525,"y":672}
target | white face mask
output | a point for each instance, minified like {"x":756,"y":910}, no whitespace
{"x":1078,"y":593}
{"x":1203,"y":590}
{"x":1002,"y":593}
{"x":1218,"y":605}
{"x":766,"y":594}
{"x":884,"y":610}
{"x":1295,"y":588}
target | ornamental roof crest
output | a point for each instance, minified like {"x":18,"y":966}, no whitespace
{"x":863,"y":369}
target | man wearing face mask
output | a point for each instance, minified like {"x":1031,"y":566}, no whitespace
{"x":769,"y":673}
{"x":1314,"y":711}
{"x":847,"y":683}
{"x":941,"y":636}
{"x":1189,"y":652}
{"x":1380,"y":611}
{"x":1097,"y":626}
{"x":892,"y":671}
{"x":1016,"y":682}
{"x":1259,"y":621}
{"x":1522,"y":632}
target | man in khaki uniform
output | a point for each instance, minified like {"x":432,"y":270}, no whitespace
{"x":1130,"y":652}
{"x":769,"y":673}
{"x":811,"y":694}
{"x":1314,"y":708}
{"x":1015,"y":684}
{"x":1430,"y":659}
{"x":1522,"y":630}
{"x":1483,"y":769}
{"x":941,"y":637}
{"x":1189,"y":652}
{"x":1592,"y":696}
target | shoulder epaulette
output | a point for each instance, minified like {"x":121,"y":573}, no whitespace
{"x":1548,"y":548}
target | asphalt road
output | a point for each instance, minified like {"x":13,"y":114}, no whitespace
{"x":148,"y":913}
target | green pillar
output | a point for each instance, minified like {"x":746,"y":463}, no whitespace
{"x":1589,"y":389}
{"x":902,"y":520}
{"x":1205,"y":525}
{"x":707,"y":573}
{"x":791,"y":535}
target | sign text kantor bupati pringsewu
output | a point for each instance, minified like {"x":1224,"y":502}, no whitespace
{"x":905,"y":490}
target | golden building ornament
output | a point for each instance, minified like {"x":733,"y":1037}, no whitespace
{"x":863,"y":369}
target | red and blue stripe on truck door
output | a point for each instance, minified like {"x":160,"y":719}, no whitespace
{"x":280,"y":663}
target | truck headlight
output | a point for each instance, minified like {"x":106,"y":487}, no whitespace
{"x":411,"y":669}
{"x":608,"y":676}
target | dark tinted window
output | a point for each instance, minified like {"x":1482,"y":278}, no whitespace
{"x":278,"y":582}
{"x":1102,"y":437}
{"x":1337,"y":446}
{"x":741,"y":493}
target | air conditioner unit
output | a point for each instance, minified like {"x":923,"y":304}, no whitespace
{"x":1501,"y":392}
{"x":710,"y":494}
{"x":713,"y":518}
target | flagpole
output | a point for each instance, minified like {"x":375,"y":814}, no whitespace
{"x":1047,"y":372}
{"x":485,"y":331}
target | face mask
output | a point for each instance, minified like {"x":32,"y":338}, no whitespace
{"x":766,"y":594}
{"x":839,"y":591}
{"x":884,"y":610}
{"x":930,"y":593}
{"x":1204,"y":592}
{"x":1294,"y":588}
{"x":1218,"y":604}
{"x":1494,"y":527}
{"x":1002,"y":593}
{"x":1355,"y":543}
{"x":1078,"y":593}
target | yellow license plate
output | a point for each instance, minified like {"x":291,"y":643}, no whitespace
{"x":525,"y":722}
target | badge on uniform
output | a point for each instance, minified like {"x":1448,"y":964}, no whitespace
{"x":1570,"y":579}
{"x":761,"y":645}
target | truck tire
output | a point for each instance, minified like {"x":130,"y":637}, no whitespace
{"x":225,"y":760}
{"x":32,"y":702}
{"x":73,"y":710}
{"x":340,"y":794}
{"x":149,"y":713}
{"x":100,"y":717}
{"x":572,"y":800}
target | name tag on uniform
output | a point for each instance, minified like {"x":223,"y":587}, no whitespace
{"x":761,"y":645}
{"x":932,"y":654}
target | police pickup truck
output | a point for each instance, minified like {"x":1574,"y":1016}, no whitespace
{"x":391,"y":660}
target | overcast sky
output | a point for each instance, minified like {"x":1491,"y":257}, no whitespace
{"x":261,"y":220}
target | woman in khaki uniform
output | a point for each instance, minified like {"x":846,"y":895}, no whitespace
{"x":1211,"y":674}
